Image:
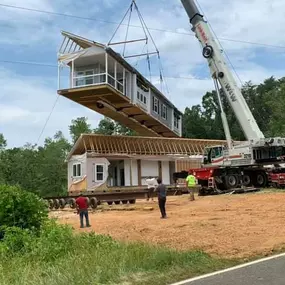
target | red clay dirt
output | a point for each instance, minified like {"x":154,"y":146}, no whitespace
{"x":228,"y":225}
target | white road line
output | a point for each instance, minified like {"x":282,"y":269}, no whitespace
{"x":229,"y":269}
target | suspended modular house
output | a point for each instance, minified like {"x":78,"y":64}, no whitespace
{"x":100,"y":79}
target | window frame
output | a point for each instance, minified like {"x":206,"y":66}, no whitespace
{"x":155,"y":104}
{"x":96,"y":172}
{"x":164,"y":112}
{"x":77,"y":170}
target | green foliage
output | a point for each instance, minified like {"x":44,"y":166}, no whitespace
{"x":266,"y":102}
{"x":109,"y":127}
{"x":22,"y":209}
{"x":3,"y":142}
{"x":79,"y":126}
{"x":58,"y":256}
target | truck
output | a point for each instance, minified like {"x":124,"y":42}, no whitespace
{"x":234,"y":165}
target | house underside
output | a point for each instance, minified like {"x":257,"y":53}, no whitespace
{"x":99,"y":162}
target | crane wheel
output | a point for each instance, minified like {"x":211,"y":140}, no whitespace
{"x":133,"y":201}
{"x":117,"y":202}
{"x":93,"y":203}
{"x":231,"y":181}
{"x":125,"y":202}
{"x":246,"y":180}
{"x":260,"y":179}
{"x":110,"y":203}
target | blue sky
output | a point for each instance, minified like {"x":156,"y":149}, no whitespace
{"x":28,"y":92}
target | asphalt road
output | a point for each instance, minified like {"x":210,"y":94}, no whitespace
{"x":269,"y":271}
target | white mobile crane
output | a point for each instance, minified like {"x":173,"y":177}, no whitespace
{"x":233,"y":165}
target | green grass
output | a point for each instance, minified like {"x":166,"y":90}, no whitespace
{"x":59,"y":257}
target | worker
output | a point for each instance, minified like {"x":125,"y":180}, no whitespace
{"x":191,"y":183}
{"x":82,"y":210}
{"x":161,"y":195}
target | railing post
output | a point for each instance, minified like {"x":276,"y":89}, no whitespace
{"x":115,"y":71}
{"x":106,"y":65}
{"x":124,"y":81}
{"x":58,"y":76}
{"x":72,"y":73}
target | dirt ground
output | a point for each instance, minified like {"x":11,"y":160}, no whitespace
{"x":229,"y":225}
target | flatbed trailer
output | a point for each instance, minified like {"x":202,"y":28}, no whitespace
{"x":110,"y":197}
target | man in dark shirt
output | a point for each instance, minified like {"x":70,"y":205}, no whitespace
{"x":82,"y":210}
{"x":161,"y":194}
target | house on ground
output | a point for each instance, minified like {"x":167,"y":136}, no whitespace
{"x":100,"y":162}
{"x":101,"y":80}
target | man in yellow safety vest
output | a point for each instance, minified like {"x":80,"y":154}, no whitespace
{"x":191,"y":184}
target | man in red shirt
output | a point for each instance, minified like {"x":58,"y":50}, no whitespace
{"x":82,"y":210}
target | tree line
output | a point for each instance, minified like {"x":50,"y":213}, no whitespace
{"x":42,"y":169}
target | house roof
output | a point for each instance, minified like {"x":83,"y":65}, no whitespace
{"x":84,"y":43}
{"x":137,"y":145}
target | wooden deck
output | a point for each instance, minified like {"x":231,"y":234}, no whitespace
{"x":105,"y":100}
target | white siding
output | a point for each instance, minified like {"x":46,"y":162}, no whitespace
{"x":127,"y":168}
{"x":149,"y":168}
{"x":76,"y":159}
{"x":91,"y":161}
{"x":135,"y":180}
{"x":165,"y":172}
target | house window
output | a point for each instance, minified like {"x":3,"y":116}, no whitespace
{"x":76,"y":170}
{"x":155,"y":105}
{"x":89,"y":79}
{"x":176,"y":121}
{"x":164,"y":112}
{"x":99,"y":172}
{"x":138,"y":95}
{"x":144,"y":99}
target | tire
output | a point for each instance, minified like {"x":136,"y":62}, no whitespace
{"x":231,"y":181}
{"x":72,"y":203}
{"x":260,"y":179}
{"x":62,"y":203}
{"x":56,"y":203}
{"x":50,"y":204}
{"x":117,"y":202}
{"x":110,"y":203}
{"x":133,"y":201}
{"x":93,"y":203}
{"x":247,"y":180}
{"x":125,"y":202}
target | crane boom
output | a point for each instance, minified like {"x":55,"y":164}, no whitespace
{"x":220,"y":71}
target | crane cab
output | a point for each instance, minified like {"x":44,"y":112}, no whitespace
{"x":214,"y":155}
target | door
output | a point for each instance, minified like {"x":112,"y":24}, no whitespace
{"x":122,"y":177}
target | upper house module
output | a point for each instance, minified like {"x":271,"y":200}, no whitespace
{"x":102,"y":80}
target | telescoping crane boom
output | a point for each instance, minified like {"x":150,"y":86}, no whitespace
{"x":234,"y":165}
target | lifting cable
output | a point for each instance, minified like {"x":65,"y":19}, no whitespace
{"x":147,"y":34}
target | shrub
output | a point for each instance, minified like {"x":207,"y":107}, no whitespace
{"x":22,"y":209}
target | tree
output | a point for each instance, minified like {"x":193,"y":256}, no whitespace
{"x":106,"y":127}
{"x":3,"y":142}
{"x":79,"y":126}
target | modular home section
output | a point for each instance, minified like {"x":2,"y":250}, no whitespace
{"x":100,"y":79}
{"x":99,"y":162}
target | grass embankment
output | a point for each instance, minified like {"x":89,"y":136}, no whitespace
{"x":57,"y":256}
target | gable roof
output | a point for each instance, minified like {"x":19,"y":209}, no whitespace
{"x":137,"y":145}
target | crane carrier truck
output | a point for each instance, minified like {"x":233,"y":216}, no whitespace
{"x":234,"y":165}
